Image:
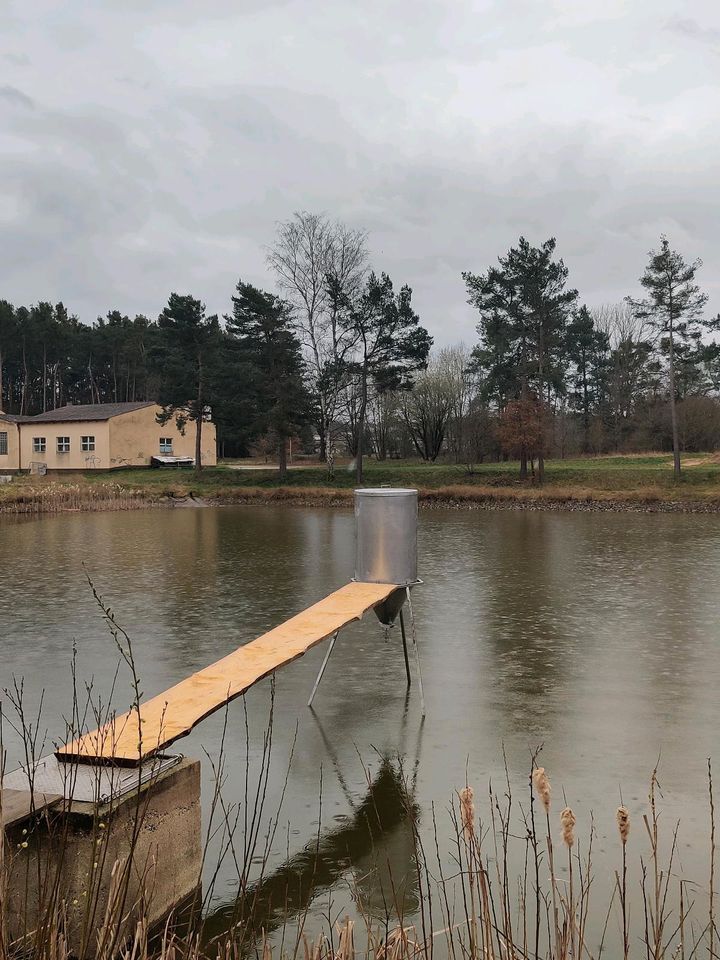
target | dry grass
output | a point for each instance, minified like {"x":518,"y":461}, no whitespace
{"x":629,"y":482}
{"x":648,"y":497}
{"x":63,"y":497}
{"x":58,"y":497}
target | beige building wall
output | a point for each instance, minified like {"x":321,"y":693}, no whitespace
{"x":127,"y":440}
{"x":10,"y":460}
{"x":76,"y":458}
{"x":135,"y":438}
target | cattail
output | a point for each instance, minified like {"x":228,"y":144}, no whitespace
{"x":467,"y":812}
{"x":542,"y":786}
{"x":623,"y":822}
{"x":567,"y":822}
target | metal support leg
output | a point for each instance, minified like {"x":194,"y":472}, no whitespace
{"x":322,"y":668}
{"x":417,"y":652}
{"x":405,"y":650}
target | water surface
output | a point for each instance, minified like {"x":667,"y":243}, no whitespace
{"x":592,"y":634}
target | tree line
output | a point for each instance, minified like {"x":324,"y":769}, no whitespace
{"x":338,"y":358}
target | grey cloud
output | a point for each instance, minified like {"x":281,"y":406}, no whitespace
{"x":694,"y":30}
{"x":168,"y":138}
{"x":17,"y":59}
{"x":16,"y":97}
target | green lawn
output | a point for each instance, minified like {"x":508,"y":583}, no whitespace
{"x":607,"y":473}
{"x":640,"y":477}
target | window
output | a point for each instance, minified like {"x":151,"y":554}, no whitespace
{"x":63,"y":444}
{"x":3,"y":444}
{"x":166,"y":445}
{"x":87,"y":444}
{"x":39,"y":445}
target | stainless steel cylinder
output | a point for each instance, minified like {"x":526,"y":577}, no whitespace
{"x":386,"y":536}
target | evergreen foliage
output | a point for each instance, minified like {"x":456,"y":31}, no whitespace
{"x":269,"y":353}
{"x":341,"y":353}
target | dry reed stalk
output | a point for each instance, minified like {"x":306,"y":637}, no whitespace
{"x":4,"y":944}
{"x":488,"y":946}
{"x":542,"y":787}
{"x":533,"y":842}
{"x":623,"y":821}
{"x":541,"y":782}
{"x":447,"y":912}
{"x":346,"y":942}
{"x":681,"y":924}
{"x":712,"y":862}
{"x":467,"y":821}
{"x":467,"y":813}
{"x":567,"y":824}
{"x":586,"y":879}
{"x":504,"y":931}
{"x":656,"y":908}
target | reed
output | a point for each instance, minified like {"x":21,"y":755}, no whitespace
{"x":501,"y":898}
{"x":56,"y":497}
{"x":493,"y":921}
{"x":91,"y":494}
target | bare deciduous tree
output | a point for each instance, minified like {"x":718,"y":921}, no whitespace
{"x":384,"y":417}
{"x":462,"y":382}
{"x":320,"y":266}
{"x":427,"y":408}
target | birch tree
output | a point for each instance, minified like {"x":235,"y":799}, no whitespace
{"x":320,"y":266}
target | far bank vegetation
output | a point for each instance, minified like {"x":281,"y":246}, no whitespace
{"x":337,"y":364}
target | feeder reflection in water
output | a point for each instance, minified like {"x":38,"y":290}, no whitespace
{"x":374,"y":850}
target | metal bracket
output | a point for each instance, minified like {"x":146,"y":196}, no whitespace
{"x":85,"y":782}
{"x":413,"y":636}
{"x":333,"y":638}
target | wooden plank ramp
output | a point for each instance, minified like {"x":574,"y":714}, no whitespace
{"x":173,"y":714}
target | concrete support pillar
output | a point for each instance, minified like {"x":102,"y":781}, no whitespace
{"x":97,"y":869}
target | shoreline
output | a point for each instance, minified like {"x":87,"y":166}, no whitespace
{"x":498,"y":499}
{"x":77,"y":498}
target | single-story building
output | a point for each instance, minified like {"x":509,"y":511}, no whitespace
{"x":101,"y":436}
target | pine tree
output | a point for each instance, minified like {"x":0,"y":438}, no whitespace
{"x":390,"y":345}
{"x":8,"y":340}
{"x":674,"y":308}
{"x":524,"y":308}
{"x":588,"y":351}
{"x":261,"y":325}
{"x":184,"y":357}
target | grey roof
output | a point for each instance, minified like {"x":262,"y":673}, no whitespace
{"x":12,"y":417}
{"x":87,"y":411}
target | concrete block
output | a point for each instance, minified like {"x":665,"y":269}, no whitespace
{"x":139,"y":856}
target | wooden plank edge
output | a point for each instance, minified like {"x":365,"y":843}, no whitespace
{"x":67,"y":755}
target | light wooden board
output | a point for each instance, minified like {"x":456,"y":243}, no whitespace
{"x":173,"y":714}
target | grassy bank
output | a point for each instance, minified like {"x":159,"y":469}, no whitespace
{"x":602,"y":483}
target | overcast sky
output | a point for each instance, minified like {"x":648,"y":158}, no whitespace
{"x":152,"y":145}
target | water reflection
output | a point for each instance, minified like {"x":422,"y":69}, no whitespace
{"x":595,"y":634}
{"x":373,"y":849}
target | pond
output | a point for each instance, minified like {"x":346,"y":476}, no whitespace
{"x":593,"y":635}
